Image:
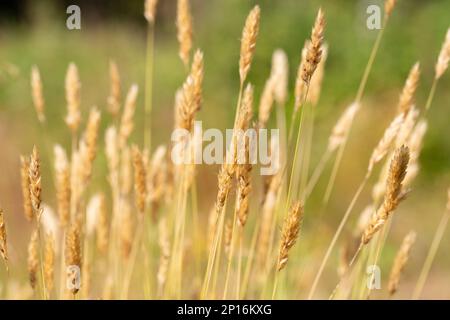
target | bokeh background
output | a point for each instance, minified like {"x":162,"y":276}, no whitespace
{"x":34,"y":32}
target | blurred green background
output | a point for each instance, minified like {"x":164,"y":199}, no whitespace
{"x":34,"y":32}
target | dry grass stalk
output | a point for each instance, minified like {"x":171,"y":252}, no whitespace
{"x":407,"y":127}
{"x":394,"y":194}
{"x":186,"y":107}
{"x":72,"y":253}
{"x":157,"y":178}
{"x":212,"y":226}
{"x":444,"y":57}
{"x":150,"y":10}
{"x":88,"y":146}
{"x":342,"y":126}
{"x":25,"y":185}
{"x":112,"y":155}
{"x":197,"y":76}
{"x":314,"y":51}
{"x":409,"y":89}
{"x":266,"y":103}
{"x":280,"y":74}
{"x":34,"y":174}
{"x":389,"y":7}
{"x":140,"y":185}
{"x":400,"y":261}
{"x":86,"y":278}
{"x":236,"y":152}
{"x":126,"y":229}
{"x":244,"y":189}
{"x":268,"y":208}
{"x":228,"y":168}
{"x":184,"y":27}
{"x":224,"y":178}
{"x":126,"y":123}
{"x":164,"y":247}
{"x":448,"y":201}
{"x":248,"y":42}
{"x":73,"y":86}
{"x":291,"y":229}
{"x":3,"y":238}
{"x":315,"y":85}
{"x":102,"y":227}
{"x":228,"y":237}
{"x":62,"y":170}
{"x":114,"y":93}
{"x":415,"y":146}
{"x":49,"y":261}
{"x":33,"y":259}
{"x":300,"y":85}
{"x":386,"y":142}
{"x":188,"y":100}
{"x":125,"y":173}
{"x":37,"y":94}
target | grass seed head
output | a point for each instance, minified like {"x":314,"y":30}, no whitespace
{"x":248,"y":42}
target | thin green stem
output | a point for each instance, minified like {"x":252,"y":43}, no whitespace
{"x":336,"y":236}
{"x":149,"y":86}
{"x":430,"y":256}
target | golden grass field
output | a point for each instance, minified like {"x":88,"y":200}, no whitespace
{"x":93,"y":206}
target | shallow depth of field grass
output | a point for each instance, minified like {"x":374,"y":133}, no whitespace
{"x":415,"y":32}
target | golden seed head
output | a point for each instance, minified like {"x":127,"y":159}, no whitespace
{"x":126,"y":122}
{"x":389,"y":6}
{"x":33,"y":259}
{"x":3,"y":238}
{"x":407,"y":127}
{"x":248,"y":42}
{"x":186,"y":104}
{"x":73,"y":86}
{"x":400,"y":261}
{"x":300,"y":85}
{"x":315,"y":85}
{"x":314,"y":52}
{"x":291,"y":229}
{"x":114,"y":93}
{"x":49,"y":261}
{"x":225,"y":178}
{"x":280,"y":74}
{"x":444,"y":57}
{"x":409,"y":89}
{"x":342,"y":127}
{"x":393,"y":195}
{"x":387,"y":141}
{"x":244,"y":188}
{"x":157,"y":177}
{"x":88,"y":146}
{"x":246,"y":108}
{"x":197,"y":76}
{"x":37,"y":94}
{"x":34,"y":174}
{"x":140,"y":185}
{"x":25,"y":185}
{"x":150,"y":10}
{"x":184,"y":27}
{"x":266,"y":103}
{"x":63,"y":189}
{"x":72,"y":251}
